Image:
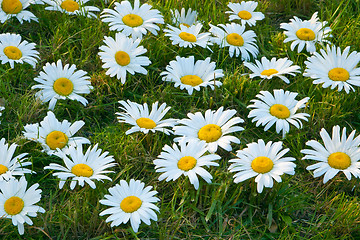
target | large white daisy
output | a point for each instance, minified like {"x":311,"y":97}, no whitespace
{"x":244,"y":11}
{"x":15,"y":8}
{"x":184,"y":18}
{"x":72,"y":7}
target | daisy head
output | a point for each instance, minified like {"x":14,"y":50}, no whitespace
{"x":190,"y":75}
{"x":58,"y":82}
{"x":133,"y":21}
{"x":13,"y":50}
{"x":130,"y":202}
{"x":236,"y":38}
{"x":213,"y":128}
{"x":266,"y":162}
{"x":244,"y":11}
{"x":16,"y":8}
{"x":143,"y":121}
{"x":308,"y":32}
{"x":52,"y":134}
{"x":184,"y":18}
{"x":274,"y":68}
{"x":122,"y":55}
{"x":72,"y":7}
{"x":337,"y":154}
{"x":279,"y":108}
{"x":18,"y":203}
{"x":334,"y":68}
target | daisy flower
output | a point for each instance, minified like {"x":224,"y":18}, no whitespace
{"x":236,"y":38}
{"x":213,"y":128}
{"x":338,"y":154}
{"x":244,"y":11}
{"x":72,"y":7}
{"x":82,"y":167}
{"x":184,"y":18}
{"x":334,"y":68}
{"x":13,"y":50}
{"x":16,"y":8}
{"x":58,"y":82}
{"x":306,"y":32}
{"x":279,"y":108}
{"x":133,"y":21}
{"x":190,"y":75}
{"x":189,"y":161}
{"x":52,"y":134}
{"x":122,"y":55}
{"x":130,"y":201}
{"x":188,"y":36}
{"x":143,"y":121}
{"x":274,"y":68}
{"x":266,"y":162}
{"x":17,"y":202}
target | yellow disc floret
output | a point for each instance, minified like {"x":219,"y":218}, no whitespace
{"x":339,"y":160}
{"x":187,"y":37}
{"x":305,"y":34}
{"x":186,"y":163}
{"x":13,"y":52}
{"x":122,"y":58}
{"x":13,"y":205}
{"x":63,"y":86}
{"x":279,"y":111}
{"x":269,"y":72}
{"x":210,"y":133}
{"x":339,"y":74}
{"x":244,"y":15}
{"x":132,"y":20}
{"x":130,"y":204}
{"x":82,"y":170}
{"x":235,"y":39}
{"x":185,"y":24}
{"x":3,"y":169}
{"x":145,"y":123}
{"x":11,"y":6}
{"x":56,"y":139}
{"x":70,"y":5}
{"x":192,"y":80}
{"x":262,"y":164}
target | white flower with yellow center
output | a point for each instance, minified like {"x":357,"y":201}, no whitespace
{"x":143,"y":121}
{"x":266,"y":162}
{"x":334,"y":68}
{"x":274,"y":68}
{"x":58,"y":82}
{"x":184,"y":18}
{"x":188,"y":36}
{"x":189,"y":161}
{"x":244,"y":11}
{"x":130,"y":202}
{"x":72,"y":7}
{"x":307,"y":32}
{"x":338,"y":154}
{"x":13,"y":50}
{"x":190,"y":75}
{"x":17,"y":202}
{"x":133,"y":21}
{"x":122,"y":55}
{"x":213,"y":128}
{"x":52,"y":134}
{"x":279,"y":109}
{"x":237,"y":39}
{"x":15,"y":8}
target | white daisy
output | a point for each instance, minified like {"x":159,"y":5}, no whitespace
{"x":17,"y":202}
{"x":122,"y":55}
{"x":133,"y":21}
{"x":213,"y":128}
{"x":143,"y":121}
{"x":334,"y":68}
{"x":72,"y":7}
{"x":52,"y":134}
{"x":266,"y":162}
{"x":340,"y":154}
{"x":244,"y":11}
{"x":274,"y":68}
{"x":279,"y":108}
{"x":13,"y":50}
{"x":58,"y":82}
{"x":15,"y":8}
{"x":308,"y":32}
{"x":236,"y":38}
{"x":130,"y":201}
{"x":190,"y":75}
{"x":184,"y":18}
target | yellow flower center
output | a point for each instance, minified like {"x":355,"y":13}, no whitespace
{"x":132,"y":20}
{"x":305,"y":34}
{"x":192,"y":80}
{"x":339,"y":74}
{"x":63,"y":86}
{"x":244,"y":15}
{"x":3,"y":169}
{"x":130,"y":204}
{"x":187,"y":37}
{"x":82,"y":170}
{"x":235,"y":39}
{"x":13,"y":205}
{"x":11,"y":6}
{"x":70,"y":5}
{"x":13,"y":52}
{"x":56,"y":139}
{"x":185,"y":24}
{"x":269,"y":72}
{"x":210,"y":133}
{"x":339,"y":160}
{"x":186,"y":163}
{"x":262,"y":164}
{"x":279,"y":111}
{"x":146,"y":123}
{"x":122,"y":58}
